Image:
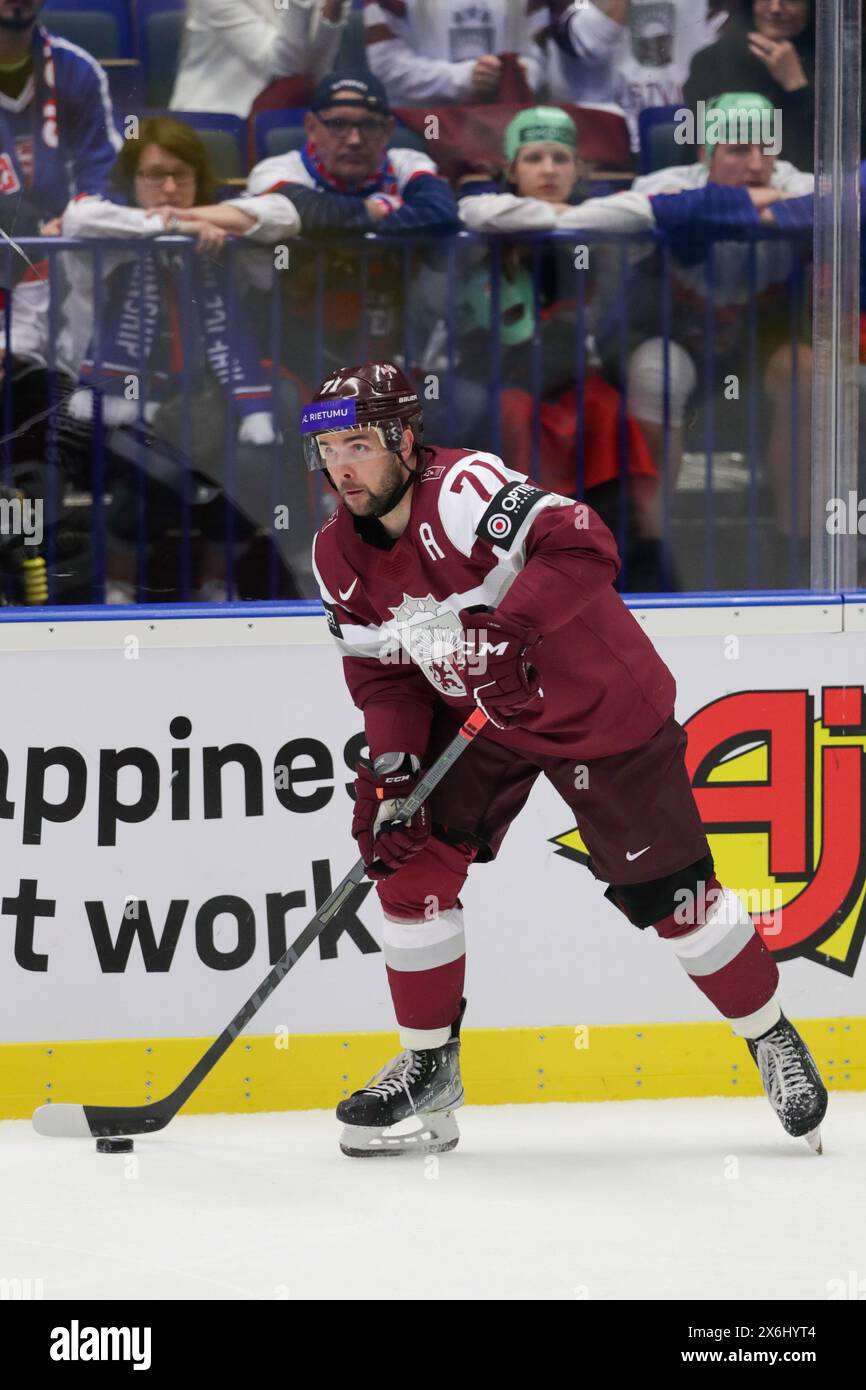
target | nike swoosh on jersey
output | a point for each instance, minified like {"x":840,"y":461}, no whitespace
{"x":630,"y":856}
{"x":349,"y":591}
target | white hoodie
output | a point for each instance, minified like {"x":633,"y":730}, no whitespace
{"x":232,"y":50}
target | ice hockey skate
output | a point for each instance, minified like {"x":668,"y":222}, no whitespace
{"x":791,"y":1081}
{"x":423,"y":1085}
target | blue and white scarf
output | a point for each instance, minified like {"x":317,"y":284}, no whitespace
{"x":142,"y":296}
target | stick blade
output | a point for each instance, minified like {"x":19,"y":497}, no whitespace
{"x":62,"y":1121}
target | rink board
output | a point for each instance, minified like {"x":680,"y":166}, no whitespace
{"x":499,"y":1065}
{"x":206,"y":874}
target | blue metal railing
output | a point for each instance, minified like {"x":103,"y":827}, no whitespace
{"x":600,"y":304}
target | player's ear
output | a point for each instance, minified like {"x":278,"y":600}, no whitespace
{"x":407,"y":443}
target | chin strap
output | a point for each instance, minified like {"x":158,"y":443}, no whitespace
{"x":399,"y":493}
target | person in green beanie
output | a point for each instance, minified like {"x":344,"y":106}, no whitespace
{"x":544,"y":184}
{"x":733,"y":183}
{"x":737,"y":179}
{"x":770,"y":49}
{"x":543,"y":191}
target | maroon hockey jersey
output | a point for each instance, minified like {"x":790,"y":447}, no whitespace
{"x":480,"y":533}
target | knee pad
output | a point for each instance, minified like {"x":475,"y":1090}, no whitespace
{"x":427,"y":884}
{"x":646,"y":382}
{"x":645,"y":904}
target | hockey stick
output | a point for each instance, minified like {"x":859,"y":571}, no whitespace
{"x":70,"y":1121}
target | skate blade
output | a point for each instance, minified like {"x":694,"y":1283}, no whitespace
{"x":434,"y":1134}
{"x":813,"y":1139}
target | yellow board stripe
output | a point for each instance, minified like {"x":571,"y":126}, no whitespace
{"x":500,"y":1065}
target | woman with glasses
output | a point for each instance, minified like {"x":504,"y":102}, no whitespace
{"x":174,"y":363}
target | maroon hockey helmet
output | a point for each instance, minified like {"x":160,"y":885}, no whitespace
{"x":375,"y":395}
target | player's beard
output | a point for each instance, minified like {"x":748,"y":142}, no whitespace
{"x":386,"y":497}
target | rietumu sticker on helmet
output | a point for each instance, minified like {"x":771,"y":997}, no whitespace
{"x":322,"y":416}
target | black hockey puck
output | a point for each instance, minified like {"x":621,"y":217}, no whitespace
{"x":114,"y":1146}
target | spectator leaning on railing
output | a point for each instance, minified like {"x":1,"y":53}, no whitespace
{"x":634,"y":53}
{"x":166,"y":178}
{"x":434,"y":52}
{"x":346,"y":181}
{"x":542,"y":194}
{"x":232,"y":49}
{"x":701,"y":201}
{"x":798,"y":214}
{"x":737,"y":180}
{"x":346,"y":178}
{"x":771,"y":50}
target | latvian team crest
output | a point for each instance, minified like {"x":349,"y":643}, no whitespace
{"x":430,"y":634}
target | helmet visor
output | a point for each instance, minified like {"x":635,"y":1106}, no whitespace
{"x":324,"y":417}
{"x":321,"y":437}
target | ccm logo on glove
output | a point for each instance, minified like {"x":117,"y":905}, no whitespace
{"x":499,"y":673}
{"x":379,"y":792}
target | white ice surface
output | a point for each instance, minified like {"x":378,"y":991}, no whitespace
{"x":703,"y":1199}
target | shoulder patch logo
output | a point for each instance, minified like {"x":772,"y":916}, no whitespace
{"x":333,"y":620}
{"x":505,"y":515}
{"x":433,"y":473}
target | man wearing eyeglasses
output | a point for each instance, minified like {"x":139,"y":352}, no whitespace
{"x":346,"y":178}
{"x":344,"y":182}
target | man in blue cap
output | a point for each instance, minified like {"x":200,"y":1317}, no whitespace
{"x":346,"y":178}
{"x":344,"y":182}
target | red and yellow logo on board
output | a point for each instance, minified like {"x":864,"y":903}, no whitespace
{"x":782,"y":795}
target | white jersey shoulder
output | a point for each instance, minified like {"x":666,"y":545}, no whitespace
{"x":693,"y":176}
{"x":480,"y":497}
{"x":672,"y":180}
{"x":290,"y":168}
{"x":279,"y":168}
{"x":407,"y":163}
{"x":791,"y":179}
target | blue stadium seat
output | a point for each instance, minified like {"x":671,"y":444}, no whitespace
{"x":275,"y":132}
{"x":406,"y":139}
{"x":98,"y":30}
{"x":158,"y":31}
{"x":124,"y":83}
{"x":658,"y":148}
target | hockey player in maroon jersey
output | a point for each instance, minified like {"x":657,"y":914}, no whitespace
{"x":449,"y":581}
